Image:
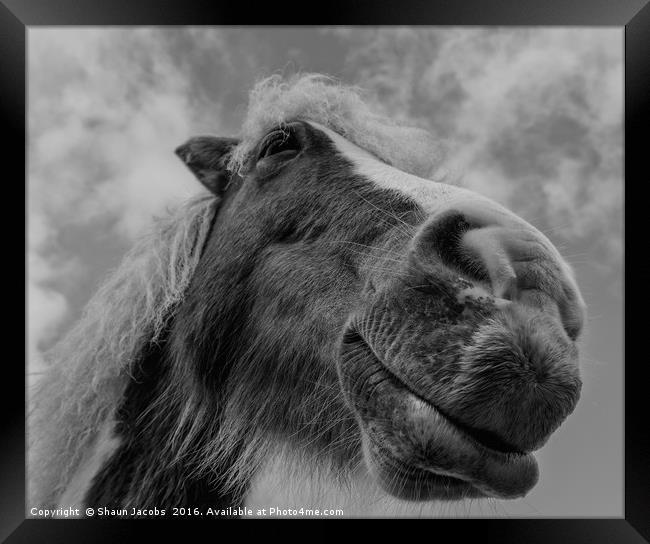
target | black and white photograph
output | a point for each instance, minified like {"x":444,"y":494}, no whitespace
{"x":325,"y":272}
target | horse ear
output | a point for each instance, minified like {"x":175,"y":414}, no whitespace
{"x":206,"y":157}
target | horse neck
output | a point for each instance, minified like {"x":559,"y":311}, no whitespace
{"x":131,"y":465}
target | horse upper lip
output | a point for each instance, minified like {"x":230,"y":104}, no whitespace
{"x":485,"y":439}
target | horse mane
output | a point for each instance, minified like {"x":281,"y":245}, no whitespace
{"x":90,"y":368}
{"x":345,"y":109}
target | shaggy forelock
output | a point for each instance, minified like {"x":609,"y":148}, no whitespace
{"x":275,"y":101}
{"x":90,"y":368}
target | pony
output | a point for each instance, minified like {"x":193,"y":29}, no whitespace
{"x":330,"y":305}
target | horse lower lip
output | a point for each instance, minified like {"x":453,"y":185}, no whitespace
{"x":441,"y":447}
{"x":414,"y":483}
{"x":481,"y":439}
{"x":460,"y":457}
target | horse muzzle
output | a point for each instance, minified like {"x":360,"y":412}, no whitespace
{"x":465,"y":362}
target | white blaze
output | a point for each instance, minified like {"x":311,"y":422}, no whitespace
{"x":434,"y":197}
{"x":431,"y":196}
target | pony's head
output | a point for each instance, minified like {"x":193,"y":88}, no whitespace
{"x":347,"y":308}
{"x":336,"y":282}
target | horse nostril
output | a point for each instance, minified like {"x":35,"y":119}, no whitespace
{"x":510,"y":258}
{"x":522,"y":267}
{"x":442,"y":240}
{"x":486,"y":245}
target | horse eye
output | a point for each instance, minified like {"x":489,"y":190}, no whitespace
{"x":278,"y":142}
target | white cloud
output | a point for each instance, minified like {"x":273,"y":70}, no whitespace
{"x":106,"y":110}
{"x":533,"y":117}
{"x":100,"y":116}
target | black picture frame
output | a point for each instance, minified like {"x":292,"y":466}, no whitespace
{"x":632,"y":15}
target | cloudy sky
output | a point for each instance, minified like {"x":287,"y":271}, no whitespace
{"x":532,"y":117}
